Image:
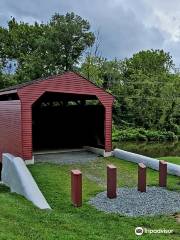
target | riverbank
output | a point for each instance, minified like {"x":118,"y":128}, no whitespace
{"x":141,"y":134}
{"x":150,"y":149}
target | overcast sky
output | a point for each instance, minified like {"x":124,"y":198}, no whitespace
{"x":126,"y":26}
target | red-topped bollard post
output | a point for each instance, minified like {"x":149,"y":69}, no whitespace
{"x":162,"y":173}
{"x":141,"y":177}
{"x":111,"y":181}
{"x":76,"y":188}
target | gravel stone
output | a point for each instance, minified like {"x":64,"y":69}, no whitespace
{"x":132,"y":203}
{"x":76,"y":157}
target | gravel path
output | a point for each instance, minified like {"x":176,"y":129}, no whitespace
{"x":66,"y":157}
{"x":130,"y":202}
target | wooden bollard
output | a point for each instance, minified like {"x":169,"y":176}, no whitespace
{"x":141,"y":177}
{"x":76,"y":188}
{"x":162,"y":173}
{"x":111,"y":181}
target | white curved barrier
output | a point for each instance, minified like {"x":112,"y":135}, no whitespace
{"x":17,"y":177}
{"x":172,"y":168}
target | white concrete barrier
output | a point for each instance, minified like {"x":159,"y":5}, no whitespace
{"x":18,"y":178}
{"x":98,"y":151}
{"x":172,"y":168}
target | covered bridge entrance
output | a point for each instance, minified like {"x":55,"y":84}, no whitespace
{"x":58,"y":112}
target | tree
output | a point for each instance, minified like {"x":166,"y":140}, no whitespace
{"x":145,"y":88}
{"x":44,"y":49}
{"x":70,"y":34}
{"x":147,"y":84}
{"x":91,"y":68}
{"x":102,"y":72}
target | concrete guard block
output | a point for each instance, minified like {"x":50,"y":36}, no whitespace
{"x":18,"y":178}
{"x":153,"y":163}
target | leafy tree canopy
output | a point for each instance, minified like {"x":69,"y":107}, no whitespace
{"x":45,"y":48}
{"x":145,"y":87}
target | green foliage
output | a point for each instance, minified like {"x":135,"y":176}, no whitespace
{"x":145,"y":88}
{"x":91,"y":69}
{"x":45,"y":48}
{"x":102,"y":72}
{"x":149,"y":92}
{"x":6,"y":80}
{"x":141,"y":134}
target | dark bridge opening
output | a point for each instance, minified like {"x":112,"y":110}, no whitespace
{"x":62,"y":121}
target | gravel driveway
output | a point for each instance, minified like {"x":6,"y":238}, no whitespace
{"x":81,"y":157}
{"x":130,"y":202}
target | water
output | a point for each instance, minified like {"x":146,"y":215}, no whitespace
{"x":151,"y":149}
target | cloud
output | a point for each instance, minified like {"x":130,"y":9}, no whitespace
{"x":123,"y":32}
{"x":126,"y":26}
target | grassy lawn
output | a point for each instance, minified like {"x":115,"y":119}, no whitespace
{"x":175,"y":160}
{"x":19,"y":219}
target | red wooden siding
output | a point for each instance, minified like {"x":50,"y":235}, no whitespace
{"x":66,"y":83}
{"x":71,"y":83}
{"x":10,"y":128}
{"x":108,"y":128}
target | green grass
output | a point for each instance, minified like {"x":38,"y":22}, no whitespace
{"x":175,"y":160}
{"x":20,"y":220}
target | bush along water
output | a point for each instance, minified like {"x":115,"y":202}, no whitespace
{"x":141,"y":134}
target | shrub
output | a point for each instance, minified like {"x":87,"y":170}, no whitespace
{"x":141,"y":134}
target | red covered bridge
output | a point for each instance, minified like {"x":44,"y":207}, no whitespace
{"x":58,"y":112}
